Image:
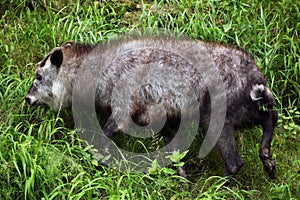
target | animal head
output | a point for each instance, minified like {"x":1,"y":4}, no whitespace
{"x":54,"y":76}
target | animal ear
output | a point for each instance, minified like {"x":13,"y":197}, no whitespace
{"x":68,"y":44}
{"x":57,"y":58}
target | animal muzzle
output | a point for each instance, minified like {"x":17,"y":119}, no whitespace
{"x":30,"y":100}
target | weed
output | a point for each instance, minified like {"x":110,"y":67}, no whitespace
{"x":41,"y":156}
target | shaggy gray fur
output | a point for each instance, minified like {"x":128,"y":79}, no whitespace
{"x":245,"y":88}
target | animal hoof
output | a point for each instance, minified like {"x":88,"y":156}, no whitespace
{"x":181,"y":172}
{"x":268,"y":162}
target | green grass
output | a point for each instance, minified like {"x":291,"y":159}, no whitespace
{"x":41,"y":156}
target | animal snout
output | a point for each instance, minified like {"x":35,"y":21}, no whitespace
{"x":30,"y":100}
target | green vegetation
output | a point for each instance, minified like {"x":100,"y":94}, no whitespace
{"x":41,"y":156}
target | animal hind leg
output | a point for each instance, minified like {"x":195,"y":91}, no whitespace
{"x":228,"y":150}
{"x":268,"y":122}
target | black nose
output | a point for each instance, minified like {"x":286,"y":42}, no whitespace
{"x":28,"y":100}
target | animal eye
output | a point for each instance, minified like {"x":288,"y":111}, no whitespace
{"x":38,"y":77}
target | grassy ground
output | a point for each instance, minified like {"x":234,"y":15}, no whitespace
{"x":42,"y":158}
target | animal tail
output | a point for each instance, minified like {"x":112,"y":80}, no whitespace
{"x":263,"y":95}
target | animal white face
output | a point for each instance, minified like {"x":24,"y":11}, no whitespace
{"x":55,"y":74}
{"x":44,"y":89}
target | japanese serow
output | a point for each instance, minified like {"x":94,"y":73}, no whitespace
{"x":169,"y":63}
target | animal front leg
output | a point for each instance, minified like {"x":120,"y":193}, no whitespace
{"x":110,"y":127}
{"x":116,"y":125}
{"x":169,"y":131}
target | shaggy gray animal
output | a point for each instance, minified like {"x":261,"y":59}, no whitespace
{"x":245,"y":88}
